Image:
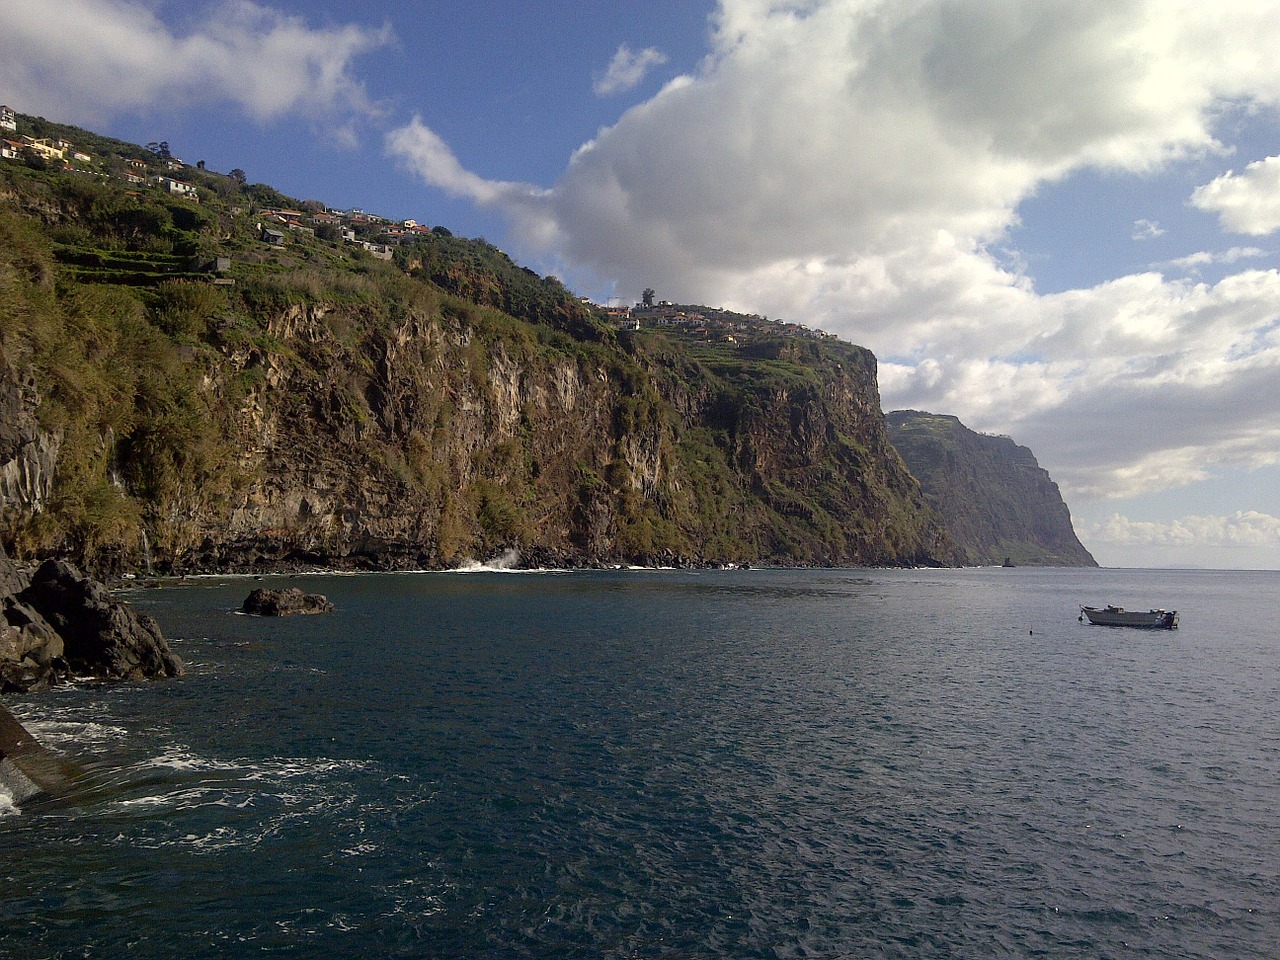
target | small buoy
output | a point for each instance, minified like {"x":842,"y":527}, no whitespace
{"x":1031,"y":633}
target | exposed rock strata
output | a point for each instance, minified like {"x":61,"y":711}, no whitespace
{"x":28,"y":455}
{"x":417,"y":446}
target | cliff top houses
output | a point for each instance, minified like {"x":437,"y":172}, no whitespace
{"x":55,"y":150}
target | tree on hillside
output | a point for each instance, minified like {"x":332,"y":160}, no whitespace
{"x":238,"y":176}
{"x":647,"y":297}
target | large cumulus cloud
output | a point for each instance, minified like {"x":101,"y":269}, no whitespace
{"x":84,"y":60}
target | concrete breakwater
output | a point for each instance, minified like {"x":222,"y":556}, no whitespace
{"x":27,"y":769}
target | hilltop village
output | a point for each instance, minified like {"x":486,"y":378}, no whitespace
{"x":276,"y":222}
{"x":707,"y":323}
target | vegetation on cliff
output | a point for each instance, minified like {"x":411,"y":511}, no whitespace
{"x":995,"y":499}
{"x":185,"y":387}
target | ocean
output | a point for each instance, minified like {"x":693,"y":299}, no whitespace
{"x":608,"y":764}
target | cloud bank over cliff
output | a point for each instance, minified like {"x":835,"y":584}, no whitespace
{"x":859,"y":166}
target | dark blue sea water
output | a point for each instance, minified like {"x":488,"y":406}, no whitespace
{"x":857,"y":763}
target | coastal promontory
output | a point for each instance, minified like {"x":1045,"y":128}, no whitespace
{"x":998,"y":504}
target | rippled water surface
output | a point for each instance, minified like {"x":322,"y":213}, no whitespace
{"x":638,"y":764}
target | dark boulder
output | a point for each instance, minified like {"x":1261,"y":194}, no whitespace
{"x":31,"y":651}
{"x":283,"y":603}
{"x":12,"y":578}
{"x":102,"y":637}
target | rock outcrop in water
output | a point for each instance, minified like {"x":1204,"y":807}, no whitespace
{"x":61,"y":624}
{"x":997,"y":502}
{"x":285,"y":603}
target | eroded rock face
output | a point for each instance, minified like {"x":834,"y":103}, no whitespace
{"x":283,"y":603}
{"x":28,"y":455}
{"x":31,"y":651}
{"x":102,"y":637}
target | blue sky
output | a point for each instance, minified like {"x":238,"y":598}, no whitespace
{"x":1057,"y":220}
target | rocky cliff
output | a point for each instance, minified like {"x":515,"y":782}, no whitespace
{"x":313,"y":405}
{"x":994,"y":498}
{"x":423,"y":440}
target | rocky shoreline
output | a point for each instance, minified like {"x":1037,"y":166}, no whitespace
{"x":255,"y":560}
{"x":56,"y":624}
{"x":59,"y":624}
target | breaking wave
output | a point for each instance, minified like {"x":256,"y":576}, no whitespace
{"x":506,"y":562}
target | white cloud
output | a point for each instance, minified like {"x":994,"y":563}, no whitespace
{"x":1242,"y":529}
{"x":1206,"y":258}
{"x":1147,"y":230}
{"x":421,"y":150}
{"x":627,"y":69}
{"x":83,"y":60}
{"x":1248,"y":202}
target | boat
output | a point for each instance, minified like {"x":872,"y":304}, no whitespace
{"x":1113,"y":616}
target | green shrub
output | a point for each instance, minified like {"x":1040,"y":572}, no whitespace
{"x":185,"y":308}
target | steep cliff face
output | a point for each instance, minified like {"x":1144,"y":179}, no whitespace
{"x":994,"y":498}
{"x":410,"y":428}
{"x":440,"y":438}
{"x":423,"y":442}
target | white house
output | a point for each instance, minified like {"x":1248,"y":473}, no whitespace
{"x":8,"y":120}
{"x":176,"y":187}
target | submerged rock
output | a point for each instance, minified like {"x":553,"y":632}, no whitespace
{"x":283,"y":603}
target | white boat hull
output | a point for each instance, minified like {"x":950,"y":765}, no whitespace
{"x":1120,"y":617}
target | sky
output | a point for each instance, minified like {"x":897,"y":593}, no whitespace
{"x":1058,"y":220}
